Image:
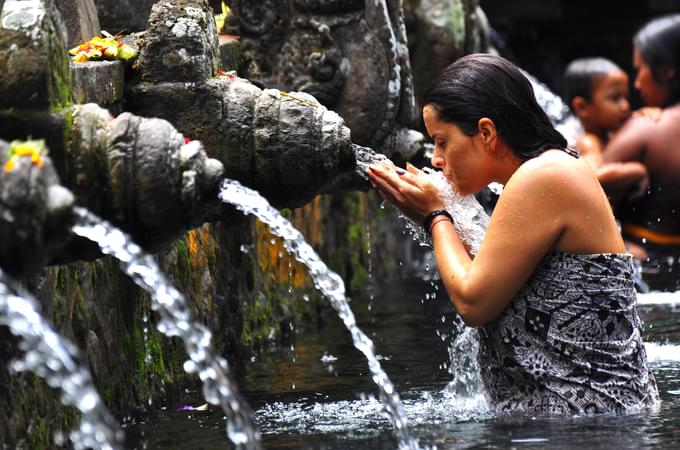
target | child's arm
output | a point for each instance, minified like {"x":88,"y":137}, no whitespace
{"x":623,"y":180}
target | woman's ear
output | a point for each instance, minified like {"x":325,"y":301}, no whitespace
{"x":487,"y":130}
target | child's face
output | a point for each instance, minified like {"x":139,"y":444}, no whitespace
{"x":609,"y":106}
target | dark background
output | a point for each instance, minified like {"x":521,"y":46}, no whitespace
{"x":543,"y":36}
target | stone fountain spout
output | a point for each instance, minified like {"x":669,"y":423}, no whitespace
{"x":140,"y":172}
{"x":284,"y":144}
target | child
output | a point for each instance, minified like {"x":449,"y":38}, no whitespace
{"x":597,"y":91}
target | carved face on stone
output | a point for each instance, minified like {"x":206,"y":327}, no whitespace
{"x":346,"y":53}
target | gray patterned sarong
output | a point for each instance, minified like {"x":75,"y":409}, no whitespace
{"x":569,"y":342}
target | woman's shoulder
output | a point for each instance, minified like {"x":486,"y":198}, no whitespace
{"x":637,"y":127}
{"x":552,"y":166}
{"x":554,"y":182}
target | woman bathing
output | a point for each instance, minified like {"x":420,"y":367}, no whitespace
{"x":551,"y":286}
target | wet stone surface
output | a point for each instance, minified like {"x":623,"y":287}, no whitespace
{"x":32,"y":72}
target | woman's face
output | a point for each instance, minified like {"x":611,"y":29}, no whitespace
{"x":463,"y":159}
{"x":652,"y":92}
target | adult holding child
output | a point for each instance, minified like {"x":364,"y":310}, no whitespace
{"x":653,"y":220}
{"x":597,"y":91}
{"x":551,"y":285}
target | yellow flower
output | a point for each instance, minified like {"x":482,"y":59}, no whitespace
{"x":21,"y":149}
{"x":9,"y":166}
{"x":98,"y":48}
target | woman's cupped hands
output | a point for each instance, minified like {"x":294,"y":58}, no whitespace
{"x":411,"y":190}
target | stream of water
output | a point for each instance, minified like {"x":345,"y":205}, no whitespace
{"x":331,"y":285}
{"x":56,"y":360}
{"x":219,"y":387}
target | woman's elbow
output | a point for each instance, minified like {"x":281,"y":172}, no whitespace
{"x":471,"y":316}
{"x":471,"y":305}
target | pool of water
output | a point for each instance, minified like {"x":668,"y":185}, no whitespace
{"x":315,"y":393}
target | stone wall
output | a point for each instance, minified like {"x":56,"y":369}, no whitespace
{"x":237,"y":277}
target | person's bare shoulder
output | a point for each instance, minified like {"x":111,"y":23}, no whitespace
{"x":551,"y":171}
{"x":589,"y":143}
{"x":638,"y":124}
{"x":631,"y":141}
{"x":652,"y":113}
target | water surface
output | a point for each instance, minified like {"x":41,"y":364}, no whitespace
{"x":314,"y":392}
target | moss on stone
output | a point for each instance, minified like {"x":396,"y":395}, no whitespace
{"x":68,"y":126}
{"x":245,"y":297}
{"x":457,"y":23}
{"x":59,"y":72}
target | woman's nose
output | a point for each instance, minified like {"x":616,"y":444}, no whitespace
{"x":437,"y":161}
{"x":637,"y":83}
{"x":437,"y":158}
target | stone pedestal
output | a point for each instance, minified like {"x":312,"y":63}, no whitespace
{"x":230,"y":53}
{"x":100,"y":82}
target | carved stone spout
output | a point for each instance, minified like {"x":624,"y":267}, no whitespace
{"x":286,"y":145}
{"x":141,"y":173}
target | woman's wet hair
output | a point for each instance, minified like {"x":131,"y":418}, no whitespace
{"x":484,"y":85}
{"x":582,"y":74}
{"x":659,"y":45}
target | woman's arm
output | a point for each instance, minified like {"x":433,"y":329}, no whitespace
{"x":527,"y":221}
{"x":536,"y":208}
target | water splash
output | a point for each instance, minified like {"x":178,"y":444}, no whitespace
{"x":469,"y":217}
{"x":470,"y":221}
{"x":175,"y":320}
{"x":558,"y":112}
{"x":56,"y":360}
{"x":466,"y":383}
{"x":552,"y":104}
{"x":366,"y":157}
{"x":331,"y":285}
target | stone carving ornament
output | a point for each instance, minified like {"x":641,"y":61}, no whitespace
{"x":349,"y":54}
